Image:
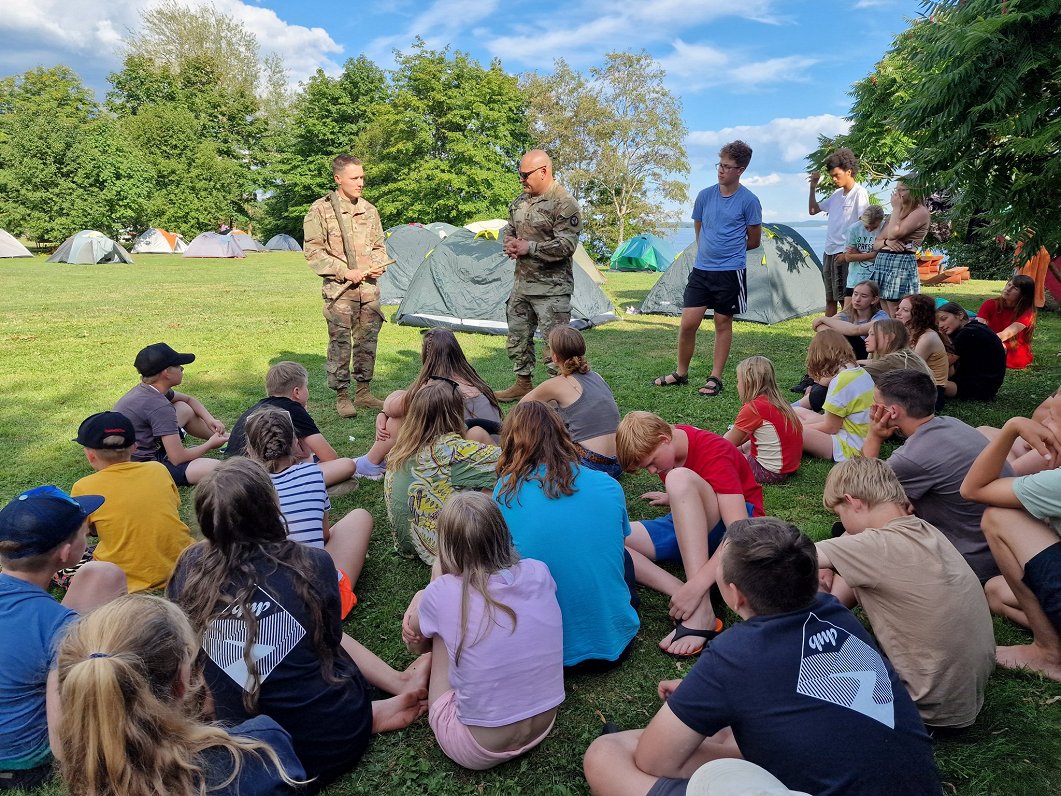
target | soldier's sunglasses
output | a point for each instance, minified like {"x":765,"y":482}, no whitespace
{"x":525,"y":174}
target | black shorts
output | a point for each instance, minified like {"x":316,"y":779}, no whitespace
{"x":179,"y":472}
{"x":1042,"y":574}
{"x":725,"y":292}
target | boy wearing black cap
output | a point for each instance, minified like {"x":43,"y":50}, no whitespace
{"x":41,"y":531}
{"x":139,"y":526}
{"x":159,"y":413}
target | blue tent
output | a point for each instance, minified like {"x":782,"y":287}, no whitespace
{"x":643,"y":253}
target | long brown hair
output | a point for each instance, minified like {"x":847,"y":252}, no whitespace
{"x":568,"y":346}
{"x":1025,"y":286}
{"x":755,"y":377}
{"x":889,"y":336}
{"x":271,"y":438}
{"x":473,"y":544}
{"x":435,"y":409}
{"x":126,"y":730}
{"x":923,"y":319}
{"x":533,"y":435}
{"x":829,"y":351}
{"x":442,"y":355}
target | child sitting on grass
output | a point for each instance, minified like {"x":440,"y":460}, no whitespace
{"x":304,"y":500}
{"x":925,"y":603}
{"x":287,"y":388}
{"x":838,"y":435}
{"x":492,"y":623}
{"x":709,"y":484}
{"x":41,"y":531}
{"x":766,"y":429}
{"x":139,"y":524}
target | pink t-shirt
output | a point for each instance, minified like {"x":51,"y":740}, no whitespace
{"x":776,"y":443}
{"x":718,"y":462}
{"x":505,"y":674}
{"x":1018,"y":347}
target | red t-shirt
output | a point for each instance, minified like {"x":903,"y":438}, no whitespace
{"x":1018,"y":347}
{"x":718,"y":462}
{"x":776,"y":443}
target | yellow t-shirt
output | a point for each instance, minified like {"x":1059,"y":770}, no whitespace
{"x":139,"y":524}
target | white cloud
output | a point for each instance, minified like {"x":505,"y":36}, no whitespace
{"x":872,"y":3}
{"x":694,"y":67}
{"x":789,"y":140}
{"x":773,"y":178}
{"x":438,"y":25}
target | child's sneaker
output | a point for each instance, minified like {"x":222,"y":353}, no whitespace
{"x":366,"y":469}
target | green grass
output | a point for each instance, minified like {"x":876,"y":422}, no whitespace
{"x":69,"y":335}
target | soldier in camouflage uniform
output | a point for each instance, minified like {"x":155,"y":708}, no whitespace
{"x":542,"y":232}
{"x":351,"y":297}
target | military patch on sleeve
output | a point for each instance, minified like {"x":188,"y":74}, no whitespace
{"x":574,"y":221}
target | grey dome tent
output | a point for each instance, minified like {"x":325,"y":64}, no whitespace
{"x":158,"y":241}
{"x":784,"y":279}
{"x":282,"y":243}
{"x":89,"y":246}
{"x":211,"y":244}
{"x":246,"y":242}
{"x":464,"y":284}
{"x":10,"y":247}
{"x":407,"y":245}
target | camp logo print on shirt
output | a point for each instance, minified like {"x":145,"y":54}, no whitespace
{"x":278,"y":633}
{"x":840,"y":668}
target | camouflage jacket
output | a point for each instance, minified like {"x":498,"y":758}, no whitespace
{"x":324,"y":243}
{"x":551,"y":223}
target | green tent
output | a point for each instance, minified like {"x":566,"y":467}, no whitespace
{"x":784,"y":280}
{"x":643,"y":253}
{"x":407,"y":245}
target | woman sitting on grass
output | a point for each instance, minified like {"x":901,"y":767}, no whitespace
{"x":839,"y":434}
{"x":430,"y":461}
{"x":583,"y":399}
{"x":492,"y":623}
{"x":855,"y":323}
{"x":574,"y":519}
{"x":888,"y":344}
{"x":304,"y":500}
{"x":130,"y":721}
{"x":441,"y":355}
{"x":978,"y":364}
{"x":766,"y":429}
{"x":1012,"y":317}
{"x":918,"y":313}
{"x":268,"y":612}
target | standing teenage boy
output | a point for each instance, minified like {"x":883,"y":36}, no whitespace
{"x":728,"y":221}
{"x":844,"y":206}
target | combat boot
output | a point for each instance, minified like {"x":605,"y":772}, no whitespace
{"x":364,"y":399}
{"x":343,"y":405}
{"x":522,"y":386}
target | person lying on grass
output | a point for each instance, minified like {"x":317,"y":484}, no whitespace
{"x":799,"y":673}
{"x":708,"y":485}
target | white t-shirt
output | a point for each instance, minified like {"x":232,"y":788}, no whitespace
{"x":844,"y":210}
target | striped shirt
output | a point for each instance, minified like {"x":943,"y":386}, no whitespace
{"x":850,"y":396}
{"x":303,"y":502}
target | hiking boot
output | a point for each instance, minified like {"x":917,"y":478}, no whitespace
{"x":343,"y":487}
{"x":343,"y":405}
{"x":364,"y":399}
{"x":522,"y":386}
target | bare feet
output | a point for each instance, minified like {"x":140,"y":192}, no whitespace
{"x":1030,"y":657}
{"x":416,"y":675}
{"x":398,"y":712}
{"x":703,"y":618}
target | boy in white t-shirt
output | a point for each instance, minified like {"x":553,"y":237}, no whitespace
{"x":844,"y":206}
{"x":859,"y":254}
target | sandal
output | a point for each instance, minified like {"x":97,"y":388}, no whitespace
{"x":681,"y":631}
{"x":677,"y":380}
{"x":712,"y":387}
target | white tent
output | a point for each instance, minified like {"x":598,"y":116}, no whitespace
{"x":10,"y":247}
{"x":282,"y":243}
{"x":90,"y":247}
{"x":211,"y":244}
{"x":247,"y":243}
{"x":158,"y":241}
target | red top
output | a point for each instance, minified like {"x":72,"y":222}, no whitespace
{"x":1018,"y":347}
{"x":776,"y":443}
{"x":718,"y":462}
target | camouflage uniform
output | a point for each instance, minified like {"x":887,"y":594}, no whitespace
{"x":541,"y":293}
{"x":353,"y":315}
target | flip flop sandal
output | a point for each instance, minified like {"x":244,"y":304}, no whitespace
{"x":712,"y":387}
{"x":679,"y":381}
{"x":681,"y":631}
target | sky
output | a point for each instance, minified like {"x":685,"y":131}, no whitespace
{"x":774,"y":73}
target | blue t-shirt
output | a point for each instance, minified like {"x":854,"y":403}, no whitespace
{"x":31,"y":624}
{"x":580,"y":538}
{"x":724,"y":222}
{"x":257,"y":774}
{"x":792,"y":685}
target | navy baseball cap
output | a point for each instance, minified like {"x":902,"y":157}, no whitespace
{"x":102,"y":426}
{"x":42,"y":518}
{"x":157,"y":357}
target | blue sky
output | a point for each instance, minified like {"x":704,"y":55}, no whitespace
{"x":772,"y":72}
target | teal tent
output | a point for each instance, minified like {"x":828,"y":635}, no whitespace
{"x":643,"y":253}
{"x":407,"y":245}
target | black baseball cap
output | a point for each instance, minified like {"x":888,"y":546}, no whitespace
{"x":157,"y":357}
{"x":42,"y":518}
{"x":113,"y":426}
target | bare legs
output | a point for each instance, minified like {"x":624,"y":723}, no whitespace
{"x":96,"y":583}
{"x":348,"y":543}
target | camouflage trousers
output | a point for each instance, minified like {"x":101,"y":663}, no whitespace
{"x":525,"y":313}
{"x":353,"y":329}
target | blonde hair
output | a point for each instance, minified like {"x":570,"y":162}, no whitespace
{"x":435,"y":409}
{"x":283,"y":377}
{"x":637,"y":436}
{"x":829,"y":351}
{"x":124,"y":730}
{"x":473,"y":543}
{"x":271,"y":438}
{"x":569,"y":346}
{"x":755,"y":377}
{"x":889,"y":335}
{"x":869,"y":480}
{"x":113,"y":455}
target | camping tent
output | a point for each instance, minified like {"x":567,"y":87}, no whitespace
{"x":464,"y":283}
{"x":247,"y":243}
{"x":211,"y":244}
{"x":407,"y":245}
{"x":158,"y":241}
{"x":582,"y":259}
{"x":89,"y":246}
{"x":441,"y":228}
{"x":643,"y":253}
{"x":282,"y":243}
{"x":494,"y":225}
{"x":784,"y":279}
{"x":10,"y":247}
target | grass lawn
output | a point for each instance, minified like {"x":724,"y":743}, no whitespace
{"x":69,"y":335}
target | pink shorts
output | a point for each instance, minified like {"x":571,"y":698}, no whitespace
{"x":456,"y":740}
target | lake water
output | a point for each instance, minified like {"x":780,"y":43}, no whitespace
{"x":815,"y":235}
